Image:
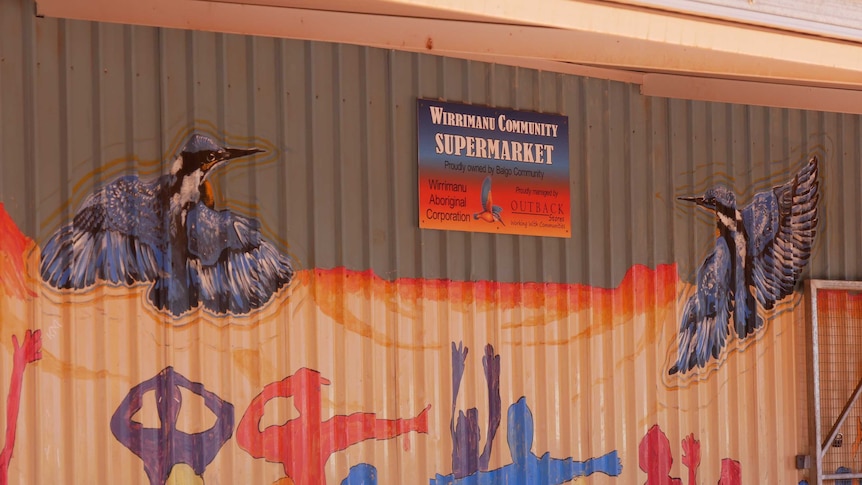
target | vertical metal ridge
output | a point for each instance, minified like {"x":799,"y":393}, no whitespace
{"x":310,"y":133}
{"x":29,"y":117}
{"x":281,"y":127}
{"x":252,"y":129}
{"x":364,"y":118}
{"x":392,"y":159}
{"x":128,"y":86}
{"x":338,"y":116}
{"x":191,"y":62}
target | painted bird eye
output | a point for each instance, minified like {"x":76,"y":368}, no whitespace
{"x":211,"y":157}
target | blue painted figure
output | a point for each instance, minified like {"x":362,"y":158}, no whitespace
{"x":527,"y":468}
{"x":759,"y":254}
{"x":361,"y":474}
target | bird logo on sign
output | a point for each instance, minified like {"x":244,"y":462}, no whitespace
{"x":489,"y":212}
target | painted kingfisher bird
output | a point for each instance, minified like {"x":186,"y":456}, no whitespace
{"x":489,"y":212}
{"x":759,"y":253}
{"x":166,"y":232}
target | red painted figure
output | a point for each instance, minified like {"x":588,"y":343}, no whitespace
{"x":304,"y":444}
{"x":29,"y":352}
{"x":731,"y":472}
{"x":656,"y":458}
{"x":691,"y":457}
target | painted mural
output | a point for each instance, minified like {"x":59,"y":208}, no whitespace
{"x":470,"y":467}
{"x":303,"y":444}
{"x":27,"y":352}
{"x":230,"y":363}
{"x":163,"y":448}
{"x":763,"y":246}
{"x":655,"y":457}
{"x":166,"y":233}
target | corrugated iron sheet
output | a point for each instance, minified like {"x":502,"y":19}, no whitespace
{"x":585,"y":328}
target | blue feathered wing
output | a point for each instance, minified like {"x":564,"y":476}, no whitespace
{"x":781,"y":225}
{"x":116,"y":236}
{"x":704,"y":328}
{"x":233,"y":267}
{"x":121,"y":235}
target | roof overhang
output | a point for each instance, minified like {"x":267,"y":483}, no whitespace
{"x":695,"y":52}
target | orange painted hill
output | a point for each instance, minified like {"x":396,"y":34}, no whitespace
{"x":642,"y":291}
{"x":14,"y":247}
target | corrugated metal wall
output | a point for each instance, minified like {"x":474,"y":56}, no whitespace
{"x":585,"y":327}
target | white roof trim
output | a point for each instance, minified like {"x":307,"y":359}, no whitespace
{"x":753,"y":93}
{"x":591,"y":39}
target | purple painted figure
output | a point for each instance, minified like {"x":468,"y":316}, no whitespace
{"x":163,"y":447}
{"x":466,"y":459}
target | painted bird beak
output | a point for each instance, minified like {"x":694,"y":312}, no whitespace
{"x":697,"y":200}
{"x":227,"y":154}
{"x":232,"y":153}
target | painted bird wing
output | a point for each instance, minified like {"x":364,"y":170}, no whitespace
{"x":486,"y":195}
{"x":781,"y":226}
{"x":116,"y":236}
{"x":704,"y":327}
{"x":232,"y":266}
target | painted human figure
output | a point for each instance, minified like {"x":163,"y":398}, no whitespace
{"x":469,"y":467}
{"x":655,"y":457}
{"x":527,"y":468}
{"x":361,"y":474}
{"x":731,"y":472}
{"x":28,"y":352}
{"x":466,"y":459}
{"x":164,"y":447}
{"x":304,"y":444}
